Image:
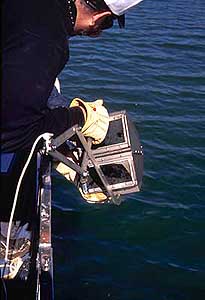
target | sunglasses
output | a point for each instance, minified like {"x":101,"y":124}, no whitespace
{"x":97,"y":4}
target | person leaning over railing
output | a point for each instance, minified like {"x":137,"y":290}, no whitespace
{"x":34,"y":51}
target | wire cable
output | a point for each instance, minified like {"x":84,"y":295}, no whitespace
{"x":46,"y":136}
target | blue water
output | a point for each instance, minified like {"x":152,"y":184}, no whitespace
{"x":153,"y":245}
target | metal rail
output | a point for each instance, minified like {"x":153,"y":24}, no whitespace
{"x":45,"y":286}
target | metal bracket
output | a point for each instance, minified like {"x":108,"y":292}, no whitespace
{"x":45,"y":251}
{"x":80,"y":169}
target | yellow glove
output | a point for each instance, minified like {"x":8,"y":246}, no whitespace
{"x":97,"y":197}
{"x":64,"y":170}
{"x":70,"y":175}
{"x":96,"y":119}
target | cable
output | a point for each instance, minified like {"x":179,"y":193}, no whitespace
{"x":46,"y":136}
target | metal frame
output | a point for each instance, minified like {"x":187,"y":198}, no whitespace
{"x":45,"y":285}
{"x":119,"y":147}
{"x":128,"y":149}
{"x":81,"y":170}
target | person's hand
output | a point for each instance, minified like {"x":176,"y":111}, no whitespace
{"x":96,"y":119}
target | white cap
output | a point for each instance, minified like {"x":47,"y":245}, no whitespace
{"x":118,"y":7}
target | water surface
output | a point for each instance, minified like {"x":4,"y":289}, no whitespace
{"x":153,"y":245}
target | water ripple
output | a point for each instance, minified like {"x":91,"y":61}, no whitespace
{"x":155,"y":69}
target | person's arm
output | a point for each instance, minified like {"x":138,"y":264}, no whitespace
{"x":30,"y":67}
{"x":35,"y":50}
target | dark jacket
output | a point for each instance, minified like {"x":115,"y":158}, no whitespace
{"x":34,"y":51}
